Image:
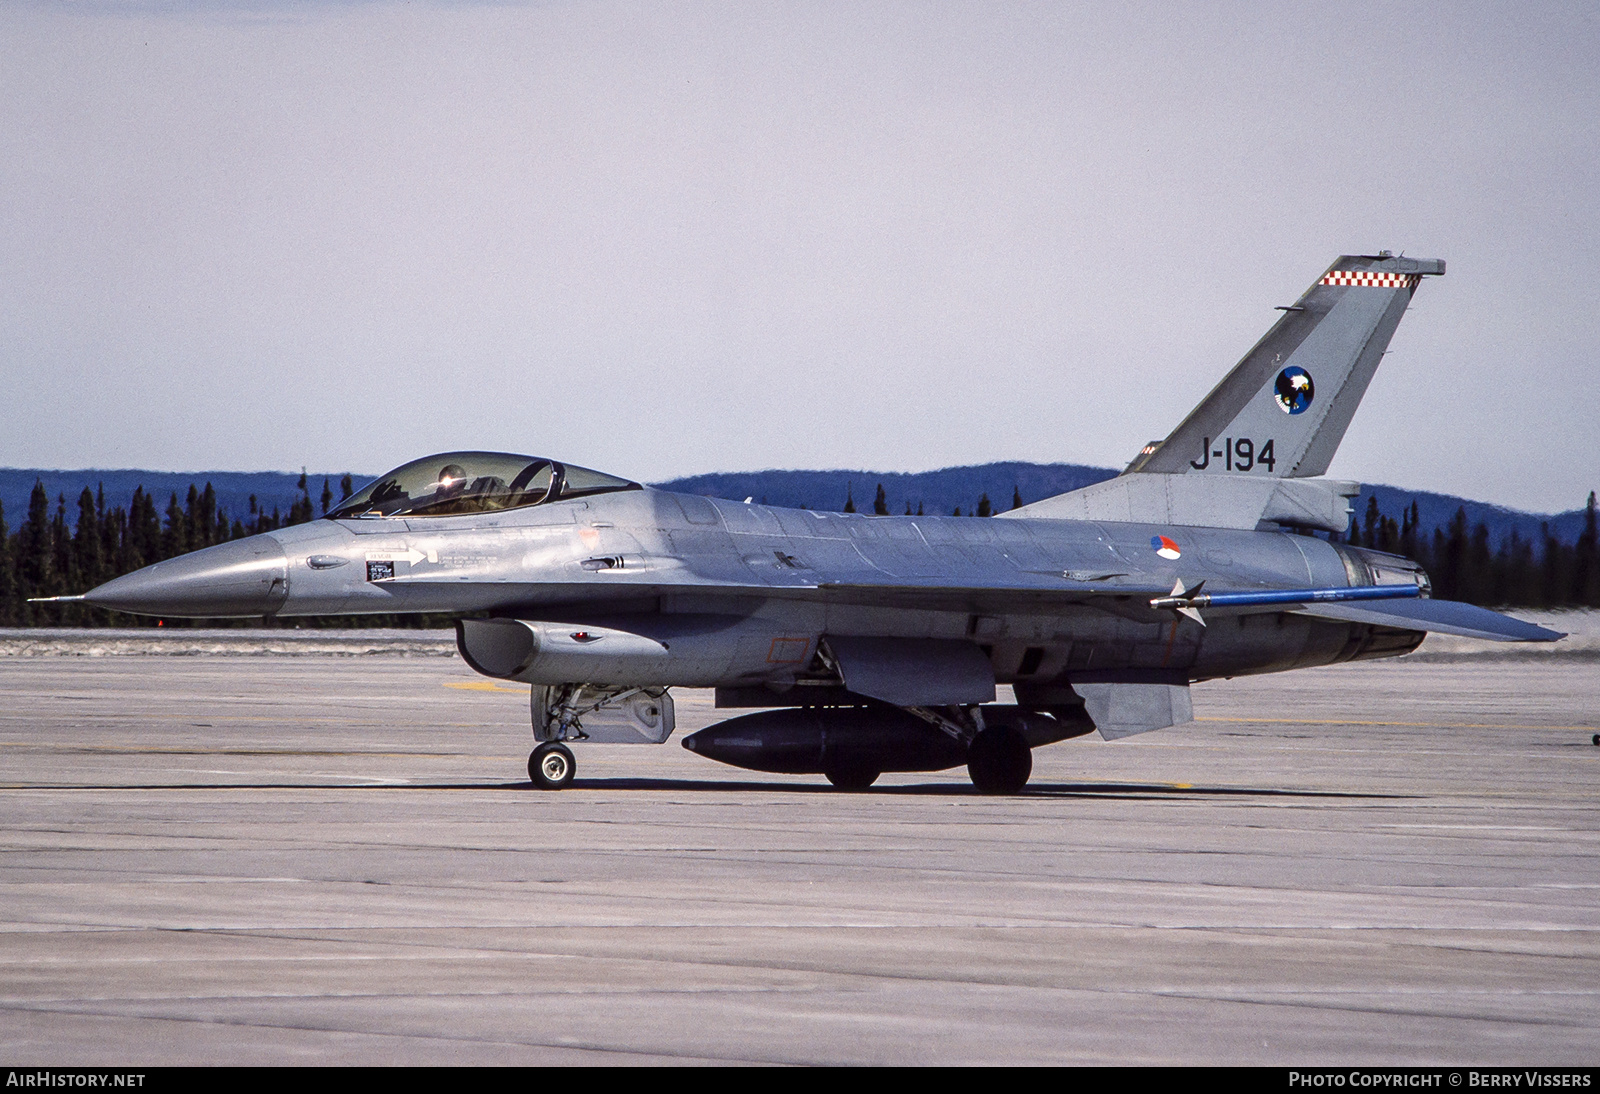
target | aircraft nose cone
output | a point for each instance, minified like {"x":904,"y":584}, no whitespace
{"x":242,"y":578}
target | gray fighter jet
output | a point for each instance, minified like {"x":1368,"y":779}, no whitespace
{"x":867,"y":644}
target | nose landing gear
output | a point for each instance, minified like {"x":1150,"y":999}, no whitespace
{"x":551,"y":766}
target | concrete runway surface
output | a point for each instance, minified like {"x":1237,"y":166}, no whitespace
{"x":321,"y":859}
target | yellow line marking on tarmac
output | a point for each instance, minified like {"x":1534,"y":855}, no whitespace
{"x":1353,"y":722}
{"x":481,"y":685}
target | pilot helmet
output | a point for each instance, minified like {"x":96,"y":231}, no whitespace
{"x":452,"y":478}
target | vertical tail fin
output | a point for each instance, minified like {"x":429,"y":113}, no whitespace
{"x":1283,"y":410}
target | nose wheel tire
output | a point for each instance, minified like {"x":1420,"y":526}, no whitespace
{"x":999,"y":761}
{"x":551,"y":766}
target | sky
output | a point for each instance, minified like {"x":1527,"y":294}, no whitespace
{"x":661,"y":239}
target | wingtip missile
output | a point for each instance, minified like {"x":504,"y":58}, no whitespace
{"x":1188,"y":602}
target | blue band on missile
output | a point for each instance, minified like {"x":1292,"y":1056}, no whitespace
{"x":1306,"y":596}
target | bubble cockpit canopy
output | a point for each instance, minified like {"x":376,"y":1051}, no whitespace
{"x":453,"y":483}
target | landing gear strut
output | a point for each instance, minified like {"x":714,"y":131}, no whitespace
{"x":999,"y":760}
{"x":551,"y":766}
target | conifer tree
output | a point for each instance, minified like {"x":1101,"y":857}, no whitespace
{"x":985,"y":506}
{"x":1016,"y":497}
{"x":34,"y":557}
{"x":1450,"y":555}
{"x":144,"y":532}
{"x":1388,"y":535}
{"x":204,"y":526}
{"x":61,"y":545}
{"x":1586,"y":560}
{"x":1409,"y":532}
{"x":346,"y":487}
{"x":87,"y":545}
{"x":327,"y":495}
{"x":173,"y":535}
{"x":1477,"y":585}
{"x":1551,"y":571}
{"x":113,"y":526}
{"x":301,"y":512}
{"x":849,"y":499}
{"x":8,"y":576}
{"x":880,"y":504}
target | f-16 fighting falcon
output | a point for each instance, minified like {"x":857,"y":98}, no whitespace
{"x":864,"y":644}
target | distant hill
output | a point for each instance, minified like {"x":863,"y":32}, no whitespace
{"x":937,"y":492}
{"x":941,"y":491}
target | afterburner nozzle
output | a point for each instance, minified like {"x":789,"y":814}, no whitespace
{"x":244,"y":578}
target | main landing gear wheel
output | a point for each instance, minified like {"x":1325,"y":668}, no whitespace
{"x":999,"y":760}
{"x":551,"y":766}
{"x":852,"y":776}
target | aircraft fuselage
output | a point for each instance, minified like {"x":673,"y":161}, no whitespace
{"x":757,"y":586}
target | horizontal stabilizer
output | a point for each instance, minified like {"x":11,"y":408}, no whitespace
{"x":1439,"y":616}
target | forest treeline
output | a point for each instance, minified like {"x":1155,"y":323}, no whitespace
{"x":51,"y":555}
{"x":1518,"y":572}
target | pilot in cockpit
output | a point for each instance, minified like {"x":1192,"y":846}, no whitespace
{"x":452,"y":482}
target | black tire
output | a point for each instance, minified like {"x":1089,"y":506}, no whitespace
{"x":551,"y":766}
{"x":852,"y":776}
{"x":1597,"y":738}
{"x":999,"y":760}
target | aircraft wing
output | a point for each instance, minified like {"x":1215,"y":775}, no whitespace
{"x":1439,"y":616}
{"x":1016,"y":592}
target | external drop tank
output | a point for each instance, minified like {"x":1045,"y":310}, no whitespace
{"x":820,"y":740}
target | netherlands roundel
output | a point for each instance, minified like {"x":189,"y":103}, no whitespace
{"x":1293,"y":389}
{"x":1164,"y":547}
